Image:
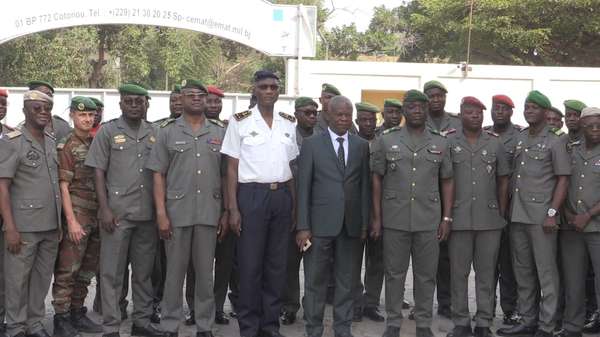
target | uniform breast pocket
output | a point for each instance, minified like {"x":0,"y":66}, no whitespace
{"x":489,"y":162}
{"x":434,"y":160}
{"x":253,"y":149}
{"x":393,"y":159}
{"x":177,"y":149}
{"x":32,"y":164}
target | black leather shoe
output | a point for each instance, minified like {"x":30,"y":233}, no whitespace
{"x":62,"y":327}
{"x":233,"y":314}
{"x":424,"y":332}
{"x":111,"y":334}
{"x":171,"y":334}
{"x":357,"y":315}
{"x":567,"y":333}
{"x":406,"y":304}
{"x":155,"y":318}
{"x":220,"y":318}
{"x":40,"y":333}
{"x":460,"y":331}
{"x":265,"y":333}
{"x":287,"y":318}
{"x":373,"y":314}
{"x":542,"y":333}
{"x":391,"y":331}
{"x":444,"y":312}
{"x":511,"y":318}
{"x":191,"y":319}
{"x":480,"y":331}
{"x":347,"y":334}
{"x":82,"y":323}
{"x":204,"y":334}
{"x":519,"y":330}
{"x":411,"y":314}
{"x":149,"y":331}
{"x":20,"y":334}
{"x":593,"y":326}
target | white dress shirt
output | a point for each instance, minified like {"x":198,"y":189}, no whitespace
{"x":264,"y":153}
{"x":334,"y":136}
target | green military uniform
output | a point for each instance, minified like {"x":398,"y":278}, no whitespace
{"x":76,"y":264}
{"x":477,"y":225}
{"x":539,"y":159}
{"x":58,"y":128}
{"x":121,"y":152}
{"x":411,"y":208}
{"x":36,"y":207}
{"x":577,"y":247}
{"x":191,"y":162}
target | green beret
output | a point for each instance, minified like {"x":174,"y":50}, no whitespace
{"x":98,"y":102}
{"x":392,"y":102}
{"x":82,"y":103}
{"x":330,"y":88}
{"x":176,"y":89}
{"x":304,"y":101}
{"x":434,"y":84}
{"x":133,"y":89}
{"x":192,"y":84}
{"x":414,"y":96}
{"x":538,"y":98}
{"x":34,"y":84}
{"x":574,"y":104}
{"x":366,"y":106}
{"x":557,"y":111}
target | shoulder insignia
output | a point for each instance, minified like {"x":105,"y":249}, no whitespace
{"x":557,"y":131}
{"x":166,"y":122}
{"x":524,"y":129}
{"x":288,"y":117}
{"x":390,"y":130}
{"x":216,"y":122}
{"x":489,"y":127}
{"x":518,"y":127}
{"x":447,"y":132}
{"x":492,"y":133}
{"x":51,"y":136}
{"x":241,"y":115}
{"x":14,"y":134}
{"x":438,"y":133}
{"x":452,"y":114}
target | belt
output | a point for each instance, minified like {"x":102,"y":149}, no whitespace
{"x":267,"y":186}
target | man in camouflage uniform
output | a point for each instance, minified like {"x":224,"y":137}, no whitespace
{"x":77,"y":260}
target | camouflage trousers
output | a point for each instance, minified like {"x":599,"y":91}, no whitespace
{"x":76,"y":265}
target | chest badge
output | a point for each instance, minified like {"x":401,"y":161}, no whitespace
{"x":287,"y":135}
{"x":394,"y":147}
{"x":484,"y":152}
{"x":32,"y":155}
{"x":119,"y":139}
{"x":253,"y":133}
{"x":152,"y":139}
{"x":488,"y":169}
{"x":457,"y":149}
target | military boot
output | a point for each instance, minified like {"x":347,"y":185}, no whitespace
{"x":63,"y":327}
{"x":82,"y":323}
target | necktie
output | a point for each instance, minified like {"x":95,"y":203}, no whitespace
{"x":341,"y":153}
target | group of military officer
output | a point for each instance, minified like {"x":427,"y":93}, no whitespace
{"x":191,"y":193}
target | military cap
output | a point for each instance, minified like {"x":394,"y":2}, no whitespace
{"x":82,"y":103}
{"x":3,"y":92}
{"x":557,"y":111}
{"x":574,"y":104}
{"x":215,"y":91}
{"x":99,"y":103}
{"x":366,"y":106}
{"x":133,"y":89}
{"x":392,"y":102}
{"x":503,"y":99}
{"x":262,"y":74}
{"x":415,"y":96}
{"x":34,"y":95}
{"x":590,"y":112}
{"x":434,"y":84}
{"x":470,"y":100}
{"x":330,"y":88}
{"x":304,"y":101}
{"x":192,"y":84}
{"x":34,"y":84}
{"x":176,"y":89}
{"x":538,"y":98}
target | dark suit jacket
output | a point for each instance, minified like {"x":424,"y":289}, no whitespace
{"x":330,"y":196}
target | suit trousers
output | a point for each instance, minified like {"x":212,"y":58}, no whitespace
{"x":534,"y":250}
{"x":291,"y":294}
{"x":138,"y":241}
{"x":480,"y":249}
{"x":28,"y":281}
{"x":576,"y":249}
{"x":367,"y":294}
{"x":398,"y":248}
{"x":261,"y":255}
{"x":317,"y":269}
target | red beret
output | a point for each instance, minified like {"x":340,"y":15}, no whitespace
{"x":211,"y":89}
{"x":503,"y":99}
{"x":472,"y":101}
{"x":3,"y":92}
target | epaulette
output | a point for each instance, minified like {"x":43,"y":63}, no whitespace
{"x":447,"y":132}
{"x":60,"y":118}
{"x":489,"y":127}
{"x":109,"y":121}
{"x":557,"y":131}
{"x":574,"y":143}
{"x":50,"y":135}
{"x":492,"y":133}
{"x":14,"y":134}
{"x":390,"y":130}
{"x":288,"y":117}
{"x":436,"y":132}
{"x":524,"y":129}
{"x":241,"y":115}
{"x":452,"y":114}
{"x":167,"y":122}
{"x":518,"y":127}
{"x":217,"y":122}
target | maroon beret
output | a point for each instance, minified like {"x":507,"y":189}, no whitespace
{"x":472,"y":101}
{"x":3,"y":92}
{"x":503,"y":99}
{"x":211,"y":89}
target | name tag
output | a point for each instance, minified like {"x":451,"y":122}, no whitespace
{"x":119,"y":139}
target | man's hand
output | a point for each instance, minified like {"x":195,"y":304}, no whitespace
{"x":223,"y":226}
{"x":76,"y":232}
{"x":302,"y":237}
{"x":107,"y":219}
{"x":549,"y":225}
{"x":13,"y":241}
{"x":235,"y":221}
{"x":375,"y":229}
{"x":165,"y":230}
{"x":443,"y":230}
{"x":581,"y":220}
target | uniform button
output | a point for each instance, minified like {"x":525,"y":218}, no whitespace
{"x":141,"y":170}
{"x":30,"y":206}
{"x":580,"y":188}
{"x":522,"y":163}
{"x":473,"y":169}
{"x":585,"y":163}
{"x":137,"y":140}
{"x":139,"y":155}
{"x":197,"y":154}
{"x":117,"y":192}
{"x":526,"y":150}
{"x":198,"y":191}
{"x":474,"y":183}
{"x":412,"y":199}
{"x":414,"y":168}
{"x":414,"y":154}
{"x":195,"y":138}
{"x":518,"y":176}
{"x":120,"y":148}
{"x":533,"y":199}
{"x":199,"y":171}
{"x":516,"y":190}
{"x":474,"y":198}
{"x":583,"y":176}
{"x":141,"y":186}
{"x":413,"y":184}
{"x":579,"y":201}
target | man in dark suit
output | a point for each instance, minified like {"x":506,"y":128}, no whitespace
{"x":333,"y":212}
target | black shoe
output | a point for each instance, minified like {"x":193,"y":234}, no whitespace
{"x":391,"y":331}
{"x":567,"y":333}
{"x":287,"y":318}
{"x":82,"y":323}
{"x":171,"y":334}
{"x":511,"y":318}
{"x":20,"y":334}
{"x":542,"y":333}
{"x":123,"y":313}
{"x":111,"y":334}
{"x":41,"y":333}
{"x":411,"y":314}
{"x":357,"y":315}
{"x":191,"y":320}
{"x":590,"y":316}
{"x":405,"y":304}
{"x":233,"y":314}
{"x":480,"y":331}
{"x":220,"y":318}
{"x":265,"y":333}
{"x":149,"y":331}
{"x":62,"y":327}
{"x":204,"y":334}
{"x":460,"y":331}
{"x":373,"y":314}
{"x":347,"y":334}
{"x":517,"y":331}
{"x":155,"y":318}
{"x":593,"y":326}
{"x":445,"y":312}
{"x":424,"y":332}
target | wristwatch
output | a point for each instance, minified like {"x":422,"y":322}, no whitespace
{"x":552,"y":212}
{"x":447,"y":219}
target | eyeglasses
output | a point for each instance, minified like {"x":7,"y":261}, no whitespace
{"x":194,"y":95}
{"x":273,"y":87}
